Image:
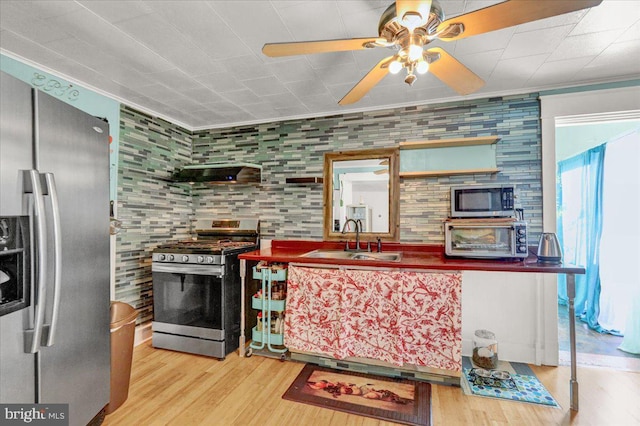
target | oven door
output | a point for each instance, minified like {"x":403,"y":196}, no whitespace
{"x":480,"y":241}
{"x":188,"y":300}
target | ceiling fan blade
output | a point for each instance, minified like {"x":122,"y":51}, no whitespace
{"x":453,"y":73}
{"x":423,"y":7}
{"x":372,"y":78}
{"x":510,"y":13}
{"x":321,"y":46}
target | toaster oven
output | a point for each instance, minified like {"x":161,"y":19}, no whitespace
{"x":486,"y":238}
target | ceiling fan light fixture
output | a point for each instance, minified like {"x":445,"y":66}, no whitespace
{"x":395,"y":67}
{"x":409,"y":79}
{"x":422,"y":67}
{"x":407,"y":26}
{"x":415,"y":52}
{"x":411,"y":20}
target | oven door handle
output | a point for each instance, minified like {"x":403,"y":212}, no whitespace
{"x":189,"y":269}
{"x":474,"y":226}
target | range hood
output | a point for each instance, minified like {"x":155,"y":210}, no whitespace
{"x":219,"y":173}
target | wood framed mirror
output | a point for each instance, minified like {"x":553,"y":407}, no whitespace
{"x":362,"y":185}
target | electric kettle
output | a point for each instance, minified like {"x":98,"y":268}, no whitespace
{"x":549,"y":249}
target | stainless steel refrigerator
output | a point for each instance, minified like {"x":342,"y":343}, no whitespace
{"x":54,"y":253}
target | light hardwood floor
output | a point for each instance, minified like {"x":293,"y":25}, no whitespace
{"x":173,"y":388}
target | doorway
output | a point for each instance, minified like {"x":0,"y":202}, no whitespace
{"x":596,"y":233}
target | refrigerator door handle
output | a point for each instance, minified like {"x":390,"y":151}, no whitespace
{"x":48,"y":331}
{"x":32,"y":185}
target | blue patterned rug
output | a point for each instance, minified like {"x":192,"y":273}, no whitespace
{"x":513,"y":381}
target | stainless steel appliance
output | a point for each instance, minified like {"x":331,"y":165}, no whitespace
{"x":486,"y":238}
{"x":196,"y":288}
{"x":54,"y":220}
{"x":482,"y":201}
{"x":219,"y":173}
{"x":549,"y":249}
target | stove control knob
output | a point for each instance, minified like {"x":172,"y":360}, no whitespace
{"x":171,"y":257}
{"x":200,"y":259}
{"x":162,"y":257}
{"x":209,"y":259}
{"x":185,"y":258}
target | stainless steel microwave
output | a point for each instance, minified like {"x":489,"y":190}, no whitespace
{"x":482,"y":201}
{"x":486,"y":238}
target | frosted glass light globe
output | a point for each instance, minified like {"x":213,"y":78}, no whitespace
{"x":415,"y":52}
{"x":395,"y":67}
{"x":422,"y":67}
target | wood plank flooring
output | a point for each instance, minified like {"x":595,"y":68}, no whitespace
{"x":173,"y":388}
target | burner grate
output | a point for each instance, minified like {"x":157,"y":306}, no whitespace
{"x":203,"y":246}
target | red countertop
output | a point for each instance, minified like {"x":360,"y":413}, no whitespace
{"x":414,"y":256}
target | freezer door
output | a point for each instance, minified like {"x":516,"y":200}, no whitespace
{"x":17,"y":368}
{"x":16,"y":138}
{"x":76,"y":368}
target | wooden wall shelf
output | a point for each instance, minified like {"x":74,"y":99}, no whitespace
{"x":446,"y":143}
{"x":447,"y":172}
{"x":304,"y":180}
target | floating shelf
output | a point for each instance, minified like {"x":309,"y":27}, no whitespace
{"x":445,"y":157}
{"x":447,"y":172}
{"x":305,"y":180}
{"x":447,"y":143}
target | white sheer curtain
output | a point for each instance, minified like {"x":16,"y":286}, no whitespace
{"x":620,"y":243}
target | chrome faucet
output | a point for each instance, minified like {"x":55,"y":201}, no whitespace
{"x":358,"y":225}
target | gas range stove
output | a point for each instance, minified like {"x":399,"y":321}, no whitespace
{"x":222,"y":238}
{"x":197,"y":288}
{"x":200,"y":251}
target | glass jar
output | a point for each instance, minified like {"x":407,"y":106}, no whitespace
{"x":485,"y":349}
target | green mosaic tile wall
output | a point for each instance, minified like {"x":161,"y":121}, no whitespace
{"x":152,"y":209}
{"x":296,"y":148}
{"x":155,"y":210}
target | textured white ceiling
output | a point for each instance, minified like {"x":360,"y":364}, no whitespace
{"x":199,"y":63}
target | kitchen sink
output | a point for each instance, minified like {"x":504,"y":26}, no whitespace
{"x":341,"y":254}
{"x":329,"y":254}
{"x":384,"y":256}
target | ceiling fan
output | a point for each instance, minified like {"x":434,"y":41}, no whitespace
{"x":408,"y":26}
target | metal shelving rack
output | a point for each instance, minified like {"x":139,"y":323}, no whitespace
{"x":264,"y":338}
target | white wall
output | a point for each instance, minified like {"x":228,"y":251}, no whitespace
{"x":522,"y":309}
{"x":574,"y":139}
{"x":508,"y":304}
{"x":376,"y":197}
{"x":596,"y":105}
